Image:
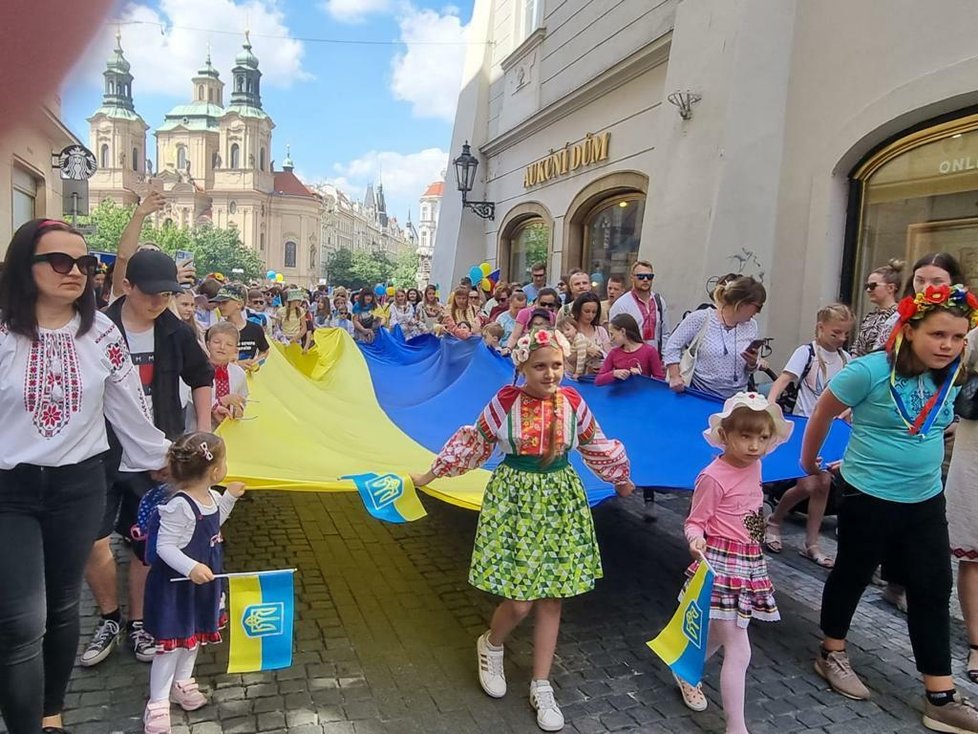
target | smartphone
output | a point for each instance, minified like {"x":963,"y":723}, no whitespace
{"x":756,"y":345}
{"x":155,"y":185}
{"x":183,"y":257}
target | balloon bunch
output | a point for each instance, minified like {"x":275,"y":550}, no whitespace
{"x":384,"y":290}
{"x":484,"y":277}
{"x":276,"y":277}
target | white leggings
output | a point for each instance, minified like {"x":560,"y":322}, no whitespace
{"x":177,"y":665}
{"x":733,"y":673}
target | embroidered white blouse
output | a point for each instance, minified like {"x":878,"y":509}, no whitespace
{"x":57,"y":392}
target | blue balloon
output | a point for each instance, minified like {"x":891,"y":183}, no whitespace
{"x":379,"y":289}
{"x":270,"y":275}
{"x":475,"y":274}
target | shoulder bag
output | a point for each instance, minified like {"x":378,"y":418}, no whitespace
{"x":687,"y":363}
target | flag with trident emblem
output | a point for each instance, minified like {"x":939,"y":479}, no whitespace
{"x":388,"y":497}
{"x":262,"y":613}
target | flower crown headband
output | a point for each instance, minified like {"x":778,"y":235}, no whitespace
{"x":914,"y":308}
{"x":537,"y":338}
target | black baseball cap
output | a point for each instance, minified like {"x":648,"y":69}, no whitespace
{"x":153,"y":272}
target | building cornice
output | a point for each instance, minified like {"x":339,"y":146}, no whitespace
{"x":646,"y":58}
{"x":532,"y":41}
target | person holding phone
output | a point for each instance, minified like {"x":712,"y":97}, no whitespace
{"x":724,"y":339}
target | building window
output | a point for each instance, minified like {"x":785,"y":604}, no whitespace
{"x":529,"y":19}
{"x":181,"y":157}
{"x":24,"y":197}
{"x":103,"y":156}
{"x":215,"y":160}
{"x":261,"y":242}
{"x":529,"y":244}
{"x":232,"y":207}
{"x":235,"y":156}
{"x":290,"y":254}
{"x":135,"y":159}
{"x":261,"y":159}
{"x":200,"y":92}
{"x":612,"y":234}
{"x":916,"y":197}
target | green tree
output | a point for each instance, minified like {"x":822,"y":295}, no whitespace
{"x":220,"y":250}
{"x":406,"y":269}
{"x":359,"y":269}
{"x":108,"y":220}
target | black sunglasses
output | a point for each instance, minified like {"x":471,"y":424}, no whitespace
{"x":548,"y":304}
{"x":644,"y":276}
{"x":63,"y":263}
{"x":871,"y":286}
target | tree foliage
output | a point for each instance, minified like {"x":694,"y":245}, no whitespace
{"x":362,"y":269}
{"x":215,"y":250}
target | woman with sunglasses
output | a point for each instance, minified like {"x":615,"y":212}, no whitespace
{"x":548,"y":300}
{"x":882,"y":286}
{"x":64,"y":370}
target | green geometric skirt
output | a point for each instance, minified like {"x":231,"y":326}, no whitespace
{"x":535,"y":538}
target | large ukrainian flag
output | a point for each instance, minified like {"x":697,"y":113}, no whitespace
{"x":682,"y":644}
{"x":262,"y":611}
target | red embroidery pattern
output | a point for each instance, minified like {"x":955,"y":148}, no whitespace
{"x":116,"y":354}
{"x":52,"y":383}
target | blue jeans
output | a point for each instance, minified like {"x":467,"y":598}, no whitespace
{"x":49,"y":517}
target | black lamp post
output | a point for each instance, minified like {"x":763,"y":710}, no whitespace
{"x":465,"y":168}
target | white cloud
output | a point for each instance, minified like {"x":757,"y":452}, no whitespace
{"x":163,"y":61}
{"x":429,"y":73}
{"x":405,"y":176}
{"x":355,"y":11}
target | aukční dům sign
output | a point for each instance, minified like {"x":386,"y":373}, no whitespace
{"x":573,"y":156}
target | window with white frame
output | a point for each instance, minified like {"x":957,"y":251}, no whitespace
{"x":24,"y":197}
{"x":529,"y":18}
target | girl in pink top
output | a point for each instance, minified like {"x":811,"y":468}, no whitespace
{"x":630,"y":356}
{"x":725,"y":527}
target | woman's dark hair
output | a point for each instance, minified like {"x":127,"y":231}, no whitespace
{"x":188,"y":456}
{"x":627,"y":323}
{"x":18,"y":291}
{"x":904,"y":360}
{"x":548,"y":292}
{"x":362,"y":299}
{"x":578,"y":306}
{"x":545,"y":313}
{"x":941,"y":260}
{"x":417,"y":295}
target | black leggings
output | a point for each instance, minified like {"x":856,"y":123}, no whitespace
{"x":49,"y":518}
{"x":913,"y":536}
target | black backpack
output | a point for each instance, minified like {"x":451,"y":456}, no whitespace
{"x":789,"y":396}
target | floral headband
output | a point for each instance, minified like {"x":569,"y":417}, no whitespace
{"x":529,"y":343}
{"x":913,"y":308}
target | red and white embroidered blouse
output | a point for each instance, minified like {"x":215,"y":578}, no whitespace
{"x":519,"y":423}
{"x":56,"y":393}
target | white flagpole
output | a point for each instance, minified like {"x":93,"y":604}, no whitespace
{"x":242,"y":573}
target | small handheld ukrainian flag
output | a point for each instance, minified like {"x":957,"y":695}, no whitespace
{"x":261,"y":617}
{"x":388,"y":497}
{"x":682,"y":644}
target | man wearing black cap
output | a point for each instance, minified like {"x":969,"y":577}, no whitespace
{"x":165,"y":350}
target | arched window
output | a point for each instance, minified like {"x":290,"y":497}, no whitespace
{"x":235,"y":156}
{"x":181,"y":157}
{"x":135,"y":159}
{"x":261,"y":159}
{"x":261,"y":242}
{"x":529,"y":244}
{"x":210,"y":95}
{"x":200,"y":92}
{"x":612,"y":233}
{"x":215,"y":160}
{"x":290,"y":254}
{"x":103,"y":156}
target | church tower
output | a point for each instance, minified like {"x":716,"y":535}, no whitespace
{"x":117,"y":135}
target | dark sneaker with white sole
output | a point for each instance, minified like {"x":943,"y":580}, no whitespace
{"x":103,"y":642}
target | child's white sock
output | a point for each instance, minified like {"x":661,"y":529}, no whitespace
{"x":161,"y":675}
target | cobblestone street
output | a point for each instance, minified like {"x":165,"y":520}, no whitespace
{"x":387,"y":625}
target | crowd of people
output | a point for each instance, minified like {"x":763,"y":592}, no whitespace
{"x":113,"y":382}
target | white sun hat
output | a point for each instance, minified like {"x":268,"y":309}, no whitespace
{"x":753,"y":401}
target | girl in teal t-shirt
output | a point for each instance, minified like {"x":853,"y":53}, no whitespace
{"x":892,"y":498}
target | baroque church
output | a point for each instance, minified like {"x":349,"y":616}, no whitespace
{"x":214,"y":165}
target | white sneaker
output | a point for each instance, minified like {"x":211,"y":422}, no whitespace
{"x":549,"y":717}
{"x":492,"y":675}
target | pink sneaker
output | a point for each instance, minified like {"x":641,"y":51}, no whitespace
{"x":187,"y":694}
{"x":156,"y":719}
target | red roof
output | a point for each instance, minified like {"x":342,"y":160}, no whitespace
{"x":434,"y":189}
{"x":287,"y":183}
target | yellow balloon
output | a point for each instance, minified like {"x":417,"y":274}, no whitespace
{"x":391,"y":290}
{"x":486,"y":268}
{"x":279,"y":278}
{"x":486,"y":284}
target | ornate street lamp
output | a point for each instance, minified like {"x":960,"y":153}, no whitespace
{"x":465,"y":168}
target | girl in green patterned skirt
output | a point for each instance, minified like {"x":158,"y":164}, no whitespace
{"x":535,"y":544}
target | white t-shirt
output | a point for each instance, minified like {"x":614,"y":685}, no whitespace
{"x":825,"y":365}
{"x":142,"y":349}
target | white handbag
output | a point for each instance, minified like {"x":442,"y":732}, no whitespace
{"x":687,"y":363}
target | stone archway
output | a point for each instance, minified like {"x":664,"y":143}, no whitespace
{"x":606,"y":187}
{"x":516,"y":218}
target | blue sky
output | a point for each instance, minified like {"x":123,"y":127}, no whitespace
{"x":350,"y":111}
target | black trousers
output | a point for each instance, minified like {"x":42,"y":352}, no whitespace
{"x":914,"y":537}
{"x":49,"y":518}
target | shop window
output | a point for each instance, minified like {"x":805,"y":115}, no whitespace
{"x":529,"y":244}
{"x":24,"y":197}
{"x":918,"y":197}
{"x":612,"y":233}
{"x":290,"y":254}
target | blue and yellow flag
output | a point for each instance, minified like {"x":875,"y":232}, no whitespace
{"x":388,"y":497}
{"x":261,"y":615}
{"x":682,"y":644}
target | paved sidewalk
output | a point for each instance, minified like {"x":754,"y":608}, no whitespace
{"x":387,"y":625}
